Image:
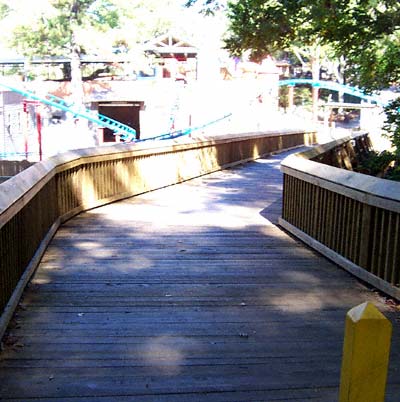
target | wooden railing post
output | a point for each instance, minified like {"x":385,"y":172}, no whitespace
{"x":33,"y":205}
{"x":365,"y":355}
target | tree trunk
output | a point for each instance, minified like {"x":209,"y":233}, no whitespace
{"x":315,"y":70}
{"x":315,"y":62}
{"x":339,"y":75}
{"x":77,"y":94}
{"x":84,"y":137}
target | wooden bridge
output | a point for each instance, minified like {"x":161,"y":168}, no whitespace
{"x":187,"y":293}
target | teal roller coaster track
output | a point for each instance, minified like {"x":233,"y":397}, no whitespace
{"x":127,"y":134}
{"x":94,"y":117}
{"x":334,"y":86}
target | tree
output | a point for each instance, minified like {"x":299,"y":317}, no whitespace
{"x":59,"y":29}
{"x":267,"y":26}
{"x":4,"y":10}
{"x":366,"y":32}
{"x":207,"y":7}
{"x":70,"y":29}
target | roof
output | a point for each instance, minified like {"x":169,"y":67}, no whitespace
{"x":170,"y":44}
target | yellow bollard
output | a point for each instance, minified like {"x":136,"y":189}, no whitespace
{"x":365,"y":355}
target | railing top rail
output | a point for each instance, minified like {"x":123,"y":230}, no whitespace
{"x":20,"y":189}
{"x":367,"y":189}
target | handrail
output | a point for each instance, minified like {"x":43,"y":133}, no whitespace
{"x":36,"y":201}
{"x":351,"y":218}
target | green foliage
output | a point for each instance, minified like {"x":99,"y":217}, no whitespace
{"x":376,"y":64}
{"x":4,"y":10}
{"x":208,"y":7}
{"x":392,"y":124}
{"x":367,"y":32}
{"x":54,"y":33}
{"x":266,"y":26}
{"x":385,"y":165}
{"x":302,"y":96}
{"x":95,"y":26}
{"x":47,"y":38}
{"x":394,"y":172}
{"x":104,"y":15}
{"x":351,"y":24}
{"x":374,"y":163}
{"x":283,"y":97}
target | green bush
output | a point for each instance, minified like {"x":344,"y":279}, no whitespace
{"x":384,"y":164}
{"x":283,"y":97}
{"x":392,"y":124}
{"x":302,"y":96}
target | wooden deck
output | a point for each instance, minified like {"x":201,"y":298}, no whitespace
{"x":189,"y":293}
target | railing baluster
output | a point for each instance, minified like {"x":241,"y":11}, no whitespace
{"x":351,"y":223}
{"x":389,"y":248}
{"x":395,"y":277}
{"x":68,"y":184}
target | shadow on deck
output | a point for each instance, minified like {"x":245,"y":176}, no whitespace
{"x":189,"y":293}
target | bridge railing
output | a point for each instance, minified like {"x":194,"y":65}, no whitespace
{"x":35,"y":202}
{"x":11,"y":168}
{"x":349,"y":217}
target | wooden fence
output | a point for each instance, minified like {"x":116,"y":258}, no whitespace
{"x":11,"y":168}
{"x":349,"y":217}
{"x":35,"y":202}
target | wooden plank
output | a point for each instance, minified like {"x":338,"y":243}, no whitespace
{"x":188,"y":293}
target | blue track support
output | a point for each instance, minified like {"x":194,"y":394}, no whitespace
{"x":128,"y":134}
{"x":334,"y":86}
{"x":185,"y":131}
{"x":59,"y":103}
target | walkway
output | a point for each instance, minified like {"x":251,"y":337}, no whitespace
{"x":187,"y":294}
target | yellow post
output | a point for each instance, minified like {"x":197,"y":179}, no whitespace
{"x":365,"y":355}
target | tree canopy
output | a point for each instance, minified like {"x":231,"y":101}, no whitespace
{"x":366,"y":32}
{"x":60,"y":28}
{"x":72,"y":28}
{"x":99,"y":25}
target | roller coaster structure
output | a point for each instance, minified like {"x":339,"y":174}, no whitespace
{"x":334,"y":86}
{"x":94,"y":117}
{"x":127,"y":134}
